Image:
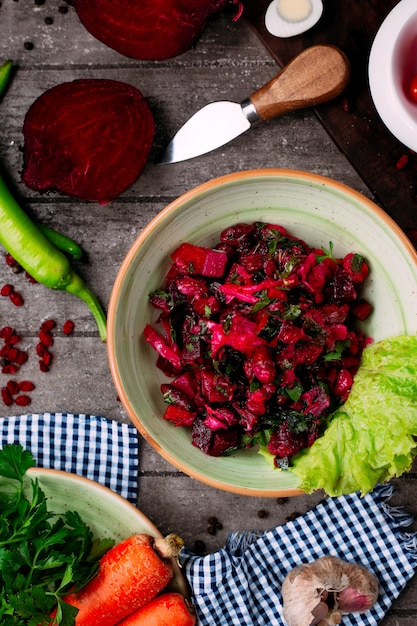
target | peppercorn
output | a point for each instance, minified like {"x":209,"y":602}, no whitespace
{"x":213,"y":525}
{"x":199,"y":547}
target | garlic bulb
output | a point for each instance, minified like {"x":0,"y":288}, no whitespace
{"x":319,"y":593}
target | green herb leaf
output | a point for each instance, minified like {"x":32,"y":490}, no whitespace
{"x":42,"y":554}
{"x":15,"y":461}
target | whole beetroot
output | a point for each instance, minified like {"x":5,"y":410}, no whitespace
{"x":89,"y":138}
{"x":148,"y":29}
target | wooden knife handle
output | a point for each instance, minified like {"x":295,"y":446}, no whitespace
{"x":316,"y":75}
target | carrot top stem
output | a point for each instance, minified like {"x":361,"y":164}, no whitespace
{"x":168,"y":547}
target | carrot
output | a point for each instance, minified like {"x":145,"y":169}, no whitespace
{"x":167,"y":609}
{"x":130,"y":574}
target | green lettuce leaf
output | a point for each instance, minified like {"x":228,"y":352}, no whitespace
{"x":371,"y":438}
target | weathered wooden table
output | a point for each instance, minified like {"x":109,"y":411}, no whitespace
{"x":49,"y":46}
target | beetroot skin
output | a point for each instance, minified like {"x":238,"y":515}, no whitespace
{"x":148,"y":29}
{"x":89,"y":138}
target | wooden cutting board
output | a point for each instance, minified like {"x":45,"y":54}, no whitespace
{"x":359,"y":133}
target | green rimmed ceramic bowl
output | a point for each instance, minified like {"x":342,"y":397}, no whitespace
{"x":318,"y":210}
{"x":107,"y":514}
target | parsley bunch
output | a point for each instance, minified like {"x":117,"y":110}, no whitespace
{"x":42,"y":555}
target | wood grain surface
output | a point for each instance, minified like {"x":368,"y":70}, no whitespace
{"x":49,"y":46}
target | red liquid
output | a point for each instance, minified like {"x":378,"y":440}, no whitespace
{"x":405,"y":60}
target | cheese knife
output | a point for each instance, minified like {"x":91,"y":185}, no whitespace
{"x":316,"y":75}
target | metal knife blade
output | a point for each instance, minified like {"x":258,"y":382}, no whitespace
{"x":316,"y":75}
{"x":211,"y":127}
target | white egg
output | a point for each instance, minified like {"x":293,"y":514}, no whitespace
{"x":287,"y":18}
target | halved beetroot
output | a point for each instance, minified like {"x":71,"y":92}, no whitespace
{"x":147,"y":29}
{"x":89,"y":138}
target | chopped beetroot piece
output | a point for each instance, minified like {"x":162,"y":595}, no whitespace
{"x":173,"y":395}
{"x":343,"y":384}
{"x":179,"y":416}
{"x":166,"y":367}
{"x":89,"y":138}
{"x":315,"y":401}
{"x":247,"y":419}
{"x":147,"y":30}
{"x":187,"y":384}
{"x":213,"y":443}
{"x":238,"y":234}
{"x":219,"y":417}
{"x":361,"y":310}
{"x":240,"y":335}
{"x":191,"y":286}
{"x":158,"y":342}
{"x":215,"y":387}
{"x":262,"y":365}
{"x":224,"y":441}
{"x":191,"y":259}
{"x":191,"y":341}
{"x":268,"y":349}
{"x":160,"y":300}
{"x":356,"y":266}
{"x":285,"y":443}
{"x":343,"y":287}
{"x":206,"y":307}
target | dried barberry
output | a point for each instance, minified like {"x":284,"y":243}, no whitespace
{"x":13,"y":339}
{"x":68,"y":327}
{"x":10,"y":261}
{"x":41,"y":349}
{"x":47,"y":358}
{"x":6,"y":332}
{"x":10,"y":368}
{"x":21,"y":358}
{"x":48,"y":325}
{"x":22,"y":400}
{"x":46,"y":338}
{"x":402,"y":162}
{"x":13,"y":387}
{"x":26,"y":385}
{"x":6,"y":396}
{"x":16,"y":298}
{"x":12,"y":353}
{"x":6,"y":290}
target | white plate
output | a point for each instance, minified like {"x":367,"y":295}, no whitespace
{"x":392,"y":64}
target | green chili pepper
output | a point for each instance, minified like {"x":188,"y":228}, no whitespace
{"x":5,"y":71}
{"x":39,"y":257}
{"x":33,"y":247}
{"x":62,"y":242}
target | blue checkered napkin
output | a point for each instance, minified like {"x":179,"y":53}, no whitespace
{"x":91,"y":446}
{"x":241,"y":583}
